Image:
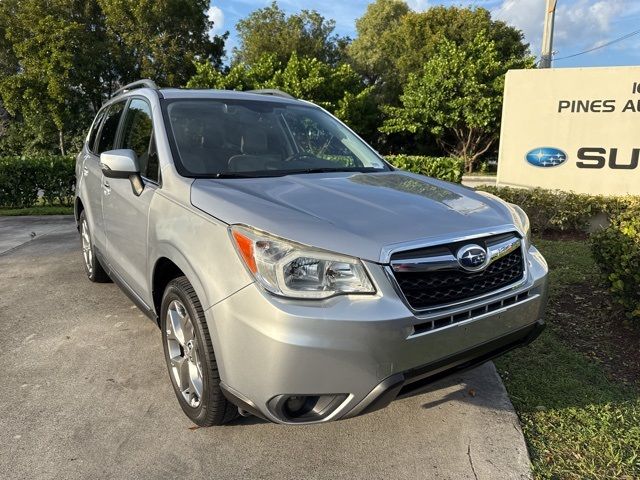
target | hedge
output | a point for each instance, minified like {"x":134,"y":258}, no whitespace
{"x":22,"y":178}
{"x":559,"y":211}
{"x":444,"y":168}
{"x":615,"y":247}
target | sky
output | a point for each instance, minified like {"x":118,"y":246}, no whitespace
{"x":580,"y":24}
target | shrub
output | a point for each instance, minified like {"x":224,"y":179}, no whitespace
{"x":559,"y":211}
{"x":22,"y":178}
{"x":443,"y":168}
{"x":616,"y":248}
{"x":617,"y":252}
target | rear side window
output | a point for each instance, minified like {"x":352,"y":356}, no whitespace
{"x":91,"y":142}
{"x":110,"y":127}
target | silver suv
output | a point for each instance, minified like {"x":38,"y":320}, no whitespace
{"x":295,"y":275}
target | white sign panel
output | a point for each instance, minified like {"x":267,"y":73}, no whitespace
{"x":574,"y":129}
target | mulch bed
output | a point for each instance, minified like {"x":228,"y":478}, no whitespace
{"x":586,"y":318}
{"x":557,"y":235}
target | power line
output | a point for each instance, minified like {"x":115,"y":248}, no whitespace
{"x":616,"y":40}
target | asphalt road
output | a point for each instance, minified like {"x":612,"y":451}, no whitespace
{"x":85,"y":394}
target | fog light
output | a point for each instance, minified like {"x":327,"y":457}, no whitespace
{"x":305,"y":408}
{"x":298,"y":405}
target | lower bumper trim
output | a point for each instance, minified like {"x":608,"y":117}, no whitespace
{"x":411,"y":382}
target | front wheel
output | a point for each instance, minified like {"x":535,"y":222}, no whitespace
{"x":190,"y":358}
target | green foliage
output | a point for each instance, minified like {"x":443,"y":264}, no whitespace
{"x":444,"y":168}
{"x":577,"y":422}
{"x":559,"y":211}
{"x":270,"y":30}
{"x":60,"y":59}
{"x":373,"y":50}
{"x":394,"y":42}
{"x":159,"y":39}
{"x":49,"y":46}
{"x":617,"y":251}
{"x":457,"y":98}
{"x":616,"y":247}
{"x":21,"y":178}
{"x":339,"y":88}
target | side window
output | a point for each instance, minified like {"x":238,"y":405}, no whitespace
{"x":137,"y":136}
{"x":91,"y":142}
{"x":110,"y":127}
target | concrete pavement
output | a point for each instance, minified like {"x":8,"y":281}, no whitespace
{"x":85,"y":394}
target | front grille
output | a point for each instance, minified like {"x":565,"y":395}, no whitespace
{"x":432,"y":288}
{"x":447,"y":320}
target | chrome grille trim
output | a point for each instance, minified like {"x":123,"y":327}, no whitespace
{"x":449,"y":261}
{"x":460,"y":317}
{"x":455,"y":305}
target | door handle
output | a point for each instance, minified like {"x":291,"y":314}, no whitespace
{"x":106,"y":187}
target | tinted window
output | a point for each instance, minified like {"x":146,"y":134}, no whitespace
{"x":91,"y":143}
{"x":110,"y":127}
{"x":137,"y":135}
{"x":247,"y":138}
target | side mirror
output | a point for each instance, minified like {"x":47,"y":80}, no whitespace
{"x":119,"y":163}
{"x":122,"y":164}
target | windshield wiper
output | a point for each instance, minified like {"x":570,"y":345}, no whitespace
{"x":282,"y":173}
{"x":332,"y":169}
{"x":236,"y":175}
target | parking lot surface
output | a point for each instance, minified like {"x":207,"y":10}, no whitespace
{"x":85,"y":394}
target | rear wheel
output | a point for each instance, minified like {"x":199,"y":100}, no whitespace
{"x":92,"y":266}
{"x":190,"y":358}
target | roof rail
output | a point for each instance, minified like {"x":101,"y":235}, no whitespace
{"x":146,"y":83}
{"x":273,"y":92}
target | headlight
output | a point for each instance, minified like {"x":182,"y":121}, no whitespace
{"x":522,"y":220}
{"x":296,"y":271}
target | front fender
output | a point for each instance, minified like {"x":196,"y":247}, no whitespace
{"x":199,"y":245}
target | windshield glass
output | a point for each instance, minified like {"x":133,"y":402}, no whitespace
{"x":225,"y":138}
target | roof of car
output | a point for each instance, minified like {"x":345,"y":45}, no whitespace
{"x":171,"y":93}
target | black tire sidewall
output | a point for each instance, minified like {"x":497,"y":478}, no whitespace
{"x":175,"y":291}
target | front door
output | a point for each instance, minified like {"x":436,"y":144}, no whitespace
{"x":126,"y":213}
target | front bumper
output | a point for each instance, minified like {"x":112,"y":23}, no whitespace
{"x":369,"y":348}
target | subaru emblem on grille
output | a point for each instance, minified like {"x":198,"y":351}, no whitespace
{"x":472,"y":257}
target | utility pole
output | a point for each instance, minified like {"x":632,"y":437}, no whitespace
{"x":547,"y":36}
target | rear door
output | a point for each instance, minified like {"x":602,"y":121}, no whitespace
{"x":126,"y":214}
{"x":100,"y":140}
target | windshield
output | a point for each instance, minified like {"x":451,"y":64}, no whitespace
{"x":240,"y":138}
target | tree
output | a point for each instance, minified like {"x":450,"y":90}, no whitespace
{"x":339,"y":88}
{"x":394,"y":42}
{"x":371,"y":52}
{"x":51,"y":46}
{"x":159,"y":39}
{"x":457,"y":98}
{"x":60,"y":59}
{"x":270,"y":30}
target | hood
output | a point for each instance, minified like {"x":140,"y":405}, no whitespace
{"x":354,"y":214}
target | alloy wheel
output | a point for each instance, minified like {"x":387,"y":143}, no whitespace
{"x":87,"y":249}
{"x":184,"y":353}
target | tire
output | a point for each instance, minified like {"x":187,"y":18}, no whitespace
{"x":190,"y":359}
{"x":92,"y":266}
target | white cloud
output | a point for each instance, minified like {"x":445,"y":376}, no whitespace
{"x":418,"y":5}
{"x":579,"y":24}
{"x":216,"y":15}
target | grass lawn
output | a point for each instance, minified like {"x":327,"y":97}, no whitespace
{"x":37,"y":210}
{"x":577,"y":388}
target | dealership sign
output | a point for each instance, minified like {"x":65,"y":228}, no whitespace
{"x":572,"y":129}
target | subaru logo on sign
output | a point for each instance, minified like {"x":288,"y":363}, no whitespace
{"x":472,"y":257}
{"x":546,"y":157}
